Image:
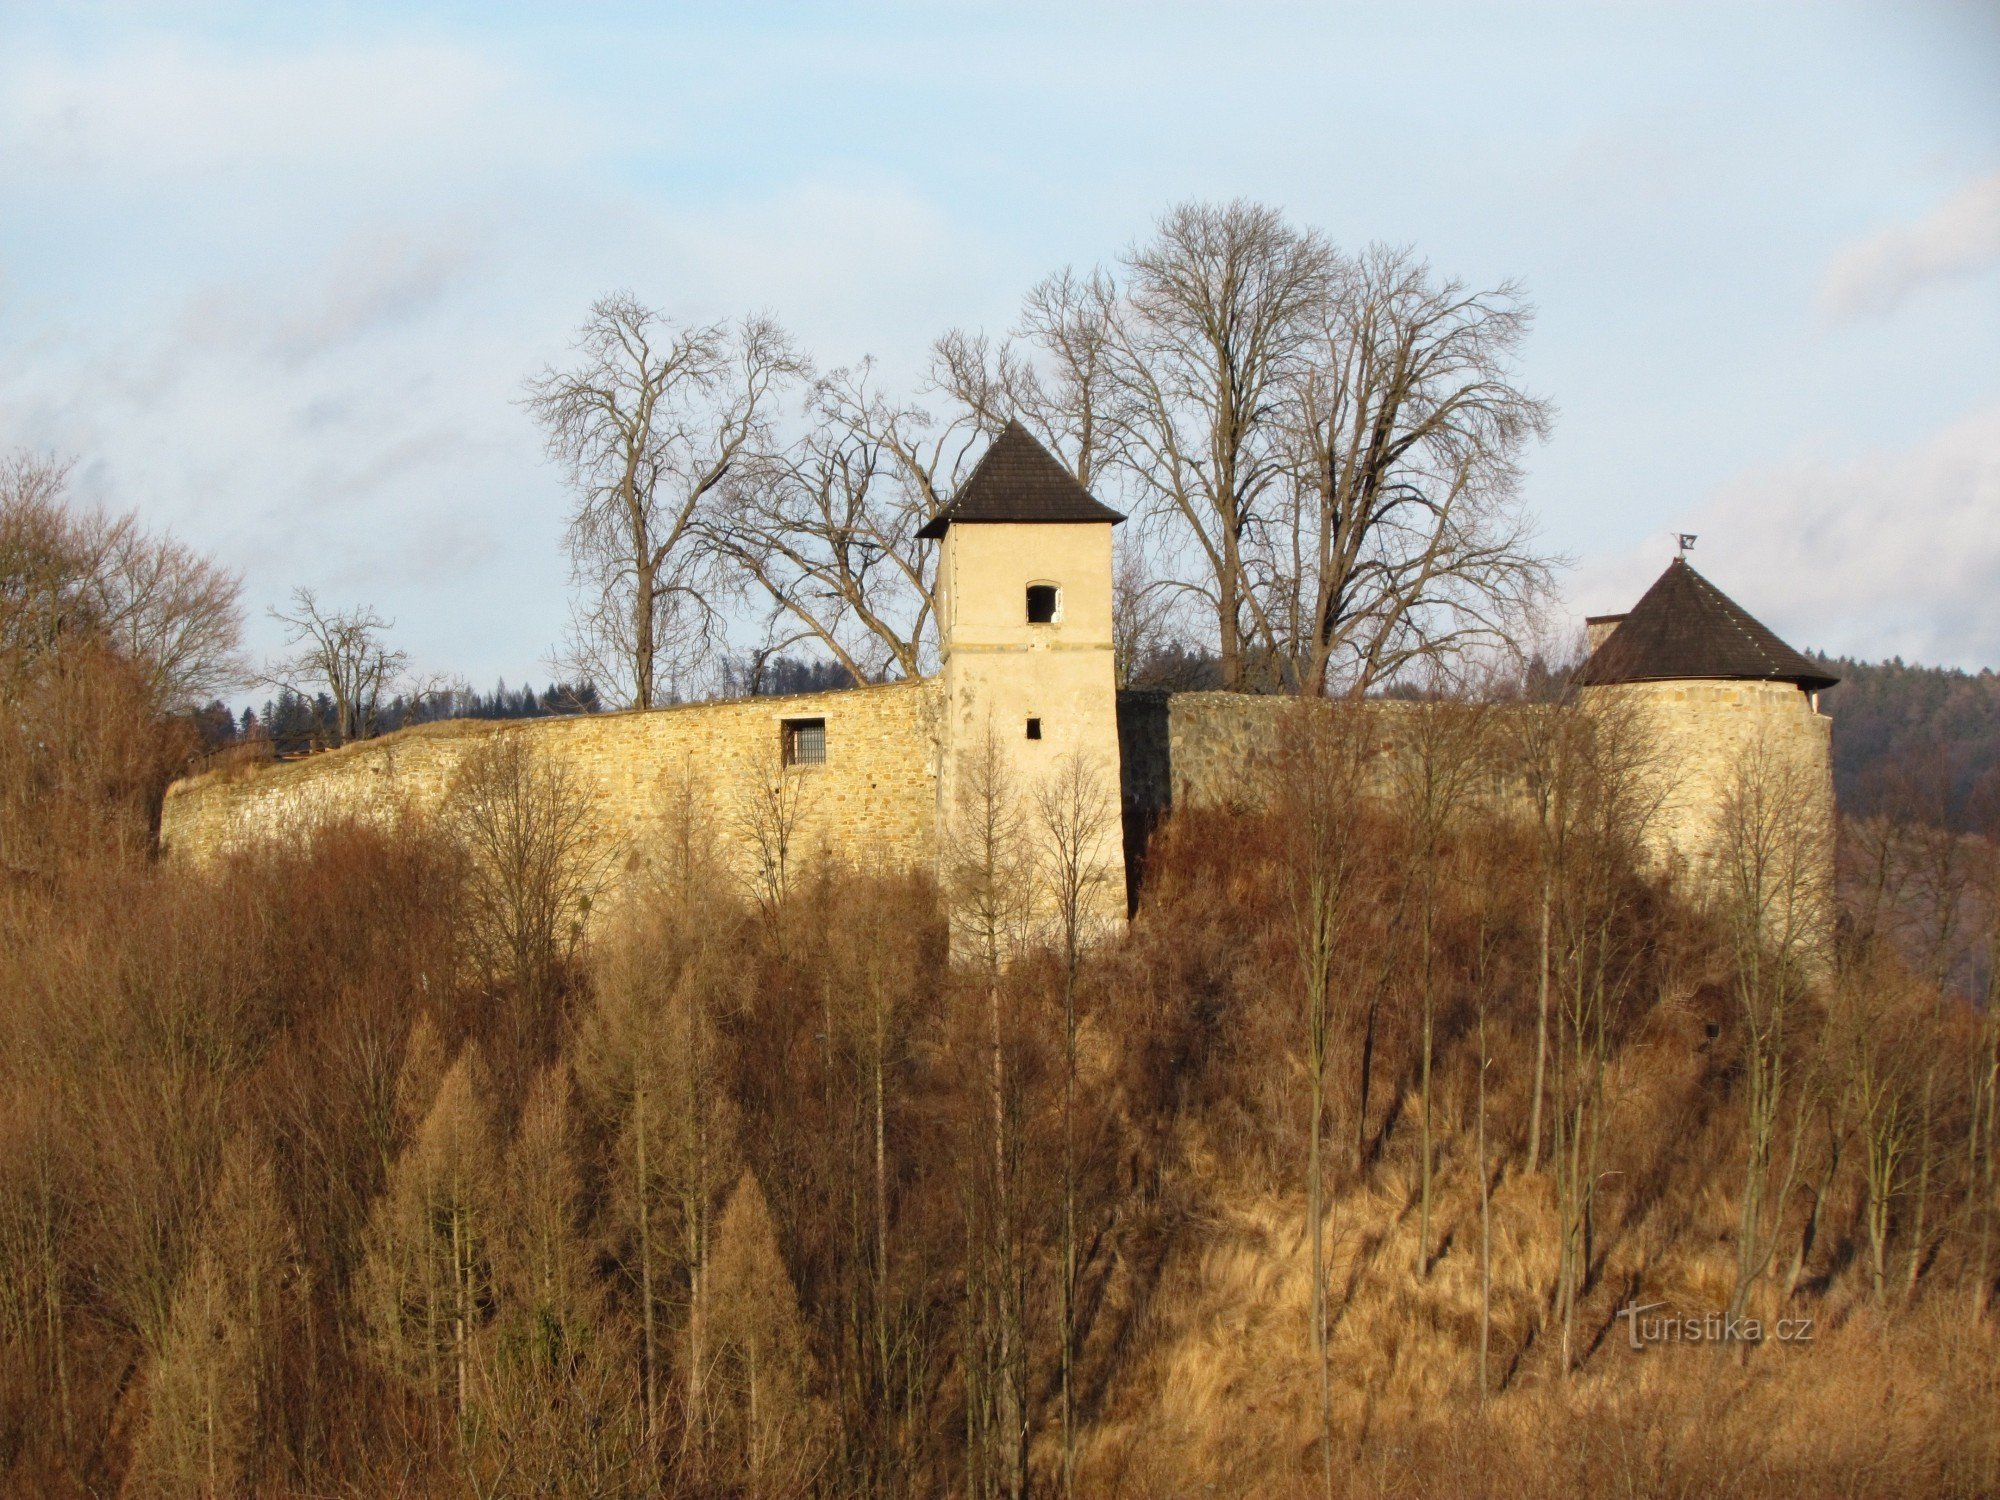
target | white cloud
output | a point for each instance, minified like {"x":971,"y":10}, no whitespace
{"x":376,"y":280}
{"x":1896,"y":553}
{"x":1957,"y":238}
{"x":342,"y":414}
{"x":160,"y":115}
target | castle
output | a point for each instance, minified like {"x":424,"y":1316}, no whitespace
{"x":1026,"y":687}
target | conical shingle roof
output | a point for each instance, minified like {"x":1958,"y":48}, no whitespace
{"x":1017,"y":479}
{"x":1687,"y":627}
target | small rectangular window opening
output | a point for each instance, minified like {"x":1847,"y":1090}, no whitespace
{"x":805,"y":742}
{"x":1034,"y":729}
{"x":1041,"y":603}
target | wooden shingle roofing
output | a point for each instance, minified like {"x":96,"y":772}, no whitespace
{"x":1017,"y":479}
{"x":1685,"y":626}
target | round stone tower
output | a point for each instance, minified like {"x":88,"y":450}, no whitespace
{"x":1716,"y":700}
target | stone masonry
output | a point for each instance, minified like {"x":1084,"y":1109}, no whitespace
{"x":872,"y":803}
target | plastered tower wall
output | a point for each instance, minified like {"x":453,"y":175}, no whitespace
{"x":1006,"y":675}
{"x":872,"y":803}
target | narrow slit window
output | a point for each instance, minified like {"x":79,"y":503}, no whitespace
{"x":1041,"y":603}
{"x":805,"y":742}
{"x":1034,"y":729}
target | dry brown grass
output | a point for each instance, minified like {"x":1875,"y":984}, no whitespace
{"x":1220,"y":1399}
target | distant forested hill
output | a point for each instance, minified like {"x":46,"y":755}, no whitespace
{"x":1905,"y":732}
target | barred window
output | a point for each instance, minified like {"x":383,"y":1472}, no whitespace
{"x":805,"y":742}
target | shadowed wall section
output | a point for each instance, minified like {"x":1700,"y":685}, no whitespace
{"x":1210,"y":750}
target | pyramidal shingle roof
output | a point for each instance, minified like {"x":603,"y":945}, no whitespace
{"x":1017,"y":479}
{"x":1685,"y":626}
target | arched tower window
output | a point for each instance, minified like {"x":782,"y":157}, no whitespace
{"x":1042,"y":601}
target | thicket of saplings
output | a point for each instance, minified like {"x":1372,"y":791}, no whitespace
{"x":347,"y":1166}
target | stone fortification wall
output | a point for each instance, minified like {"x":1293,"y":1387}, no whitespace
{"x":1207,"y":749}
{"x":872,"y":803}
{"x":1694,"y":739}
{"x":875,"y":800}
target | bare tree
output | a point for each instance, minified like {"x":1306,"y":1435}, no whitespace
{"x":647,"y":424}
{"x":171,"y":609}
{"x":827,"y":529}
{"x":533,"y":862}
{"x":1217,"y":308}
{"x":989,"y":885}
{"x":772,"y":804}
{"x":161,"y":606}
{"x":1873,"y":1009}
{"x":340,"y":653}
{"x":1144,"y":613}
{"x":1321,"y":768}
{"x":1615,"y":786}
{"x":1554,"y":745}
{"x":1772,"y":858}
{"x":1332,"y":441}
{"x":1441,"y":756}
{"x":1055,"y":375}
{"x":1075,"y":819}
{"x":1398,"y":533}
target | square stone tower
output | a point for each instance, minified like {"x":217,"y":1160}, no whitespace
{"x":1024,"y":627}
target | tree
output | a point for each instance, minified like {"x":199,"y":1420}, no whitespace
{"x":1074,"y":819}
{"x":556,"y":1390}
{"x":1770,"y":862}
{"x":1210,"y":336}
{"x":1441,"y":753}
{"x":1554,"y":744}
{"x":104,"y":632}
{"x":989,"y":886}
{"x":1055,"y":376}
{"x":1873,"y":1014}
{"x":159,"y":604}
{"x":652,"y":1061}
{"x":212,"y":1397}
{"x":425,"y":1281}
{"x":534,"y":863}
{"x":765,"y":1411}
{"x":170,"y":608}
{"x":1320,"y":769}
{"x":647,"y":425}
{"x":1398,"y":534}
{"x":1330,"y":441}
{"x":772,"y":803}
{"x":342,"y":654}
{"x":827,"y":529}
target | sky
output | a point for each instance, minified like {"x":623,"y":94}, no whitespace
{"x":273,"y":274}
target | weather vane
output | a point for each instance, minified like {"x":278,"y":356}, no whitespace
{"x":1687,"y":542}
